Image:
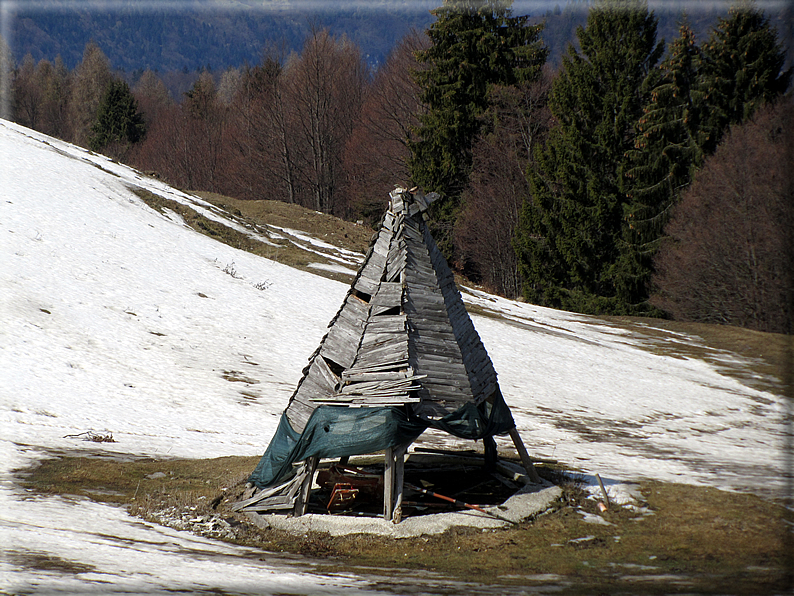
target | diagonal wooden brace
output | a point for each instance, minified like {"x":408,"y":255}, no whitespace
{"x":522,"y":453}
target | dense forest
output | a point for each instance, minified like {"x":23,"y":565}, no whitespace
{"x":631,"y":175}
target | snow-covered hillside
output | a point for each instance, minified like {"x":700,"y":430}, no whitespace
{"x":116,"y":318}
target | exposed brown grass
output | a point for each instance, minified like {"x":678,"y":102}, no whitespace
{"x":695,"y":539}
{"x":324,"y":227}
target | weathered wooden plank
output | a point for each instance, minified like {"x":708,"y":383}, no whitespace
{"x":447,"y":392}
{"x":382,"y":245}
{"x":435,"y":347}
{"x":375,"y":264}
{"x":385,"y":360}
{"x":389,"y":351}
{"x":444,"y":349}
{"x":367,"y":284}
{"x":383,"y":385}
{"x":431,"y":364}
{"x":448,"y":380}
{"x":387,"y":331}
{"x":386,"y":288}
{"x":261,"y":496}
{"x":380,"y":340}
{"x":271,"y":507}
{"x":425,"y":299}
{"x":341,"y":344}
{"x":373,"y":372}
{"x":359,"y":377}
{"x":385,"y":353}
{"x":387,"y":322}
{"x":302,"y":501}
{"x":433,"y":316}
{"x":444,"y":393}
{"x":298,"y":418}
{"x":419,"y":272}
{"x":380,"y":309}
{"x":378,"y":366}
{"x":342,"y":329}
{"x":300,"y":399}
{"x":389,"y":295}
{"x":430,"y":329}
{"x":383,"y":401}
{"x":369,"y":402}
{"x":328,"y":375}
{"x":376,"y":341}
{"x":319,"y":376}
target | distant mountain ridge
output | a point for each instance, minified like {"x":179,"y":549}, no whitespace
{"x":191,"y":35}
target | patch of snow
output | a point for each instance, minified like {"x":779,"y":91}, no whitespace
{"x":592,"y":518}
{"x":333,"y":268}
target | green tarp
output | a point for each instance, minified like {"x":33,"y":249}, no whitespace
{"x":339,"y":431}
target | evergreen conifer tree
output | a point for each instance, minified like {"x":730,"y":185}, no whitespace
{"x":117,"y":118}
{"x":667,"y":150}
{"x":475,"y":44}
{"x":571,"y":229}
{"x":742,"y":69}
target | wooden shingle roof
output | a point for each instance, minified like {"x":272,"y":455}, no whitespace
{"x":402,"y":334}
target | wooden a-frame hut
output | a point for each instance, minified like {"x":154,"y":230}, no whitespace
{"x":400,"y":356}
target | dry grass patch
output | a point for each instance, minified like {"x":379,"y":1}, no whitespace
{"x":699,"y":540}
{"x":138,"y":482}
{"x":328,"y":228}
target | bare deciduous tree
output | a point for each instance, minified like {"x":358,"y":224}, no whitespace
{"x":731,"y":239}
{"x":518,"y":120}
{"x":28,"y":94}
{"x":90,"y":79}
{"x":6,"y":78}
{"x":261,"y":143}
{"x":325,"y":86}
{"x":377,"y":153}
{"x":152,"y":95}
{"x":41,"y":96}
{"x":186,"y":144}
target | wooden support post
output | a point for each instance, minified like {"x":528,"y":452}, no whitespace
{"x":522,"y":453}
{"x":302,"y":503}
{"x":399,"y":478}
{"x":603,"y":491}
{"x":388,"y":483}
{"x":489,"y":447}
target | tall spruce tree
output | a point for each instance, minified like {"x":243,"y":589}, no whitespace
{"x":741,"y":70}
{"x":667,"y":150}
{"x":570,"y":231}
{"x":476,"y":44}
